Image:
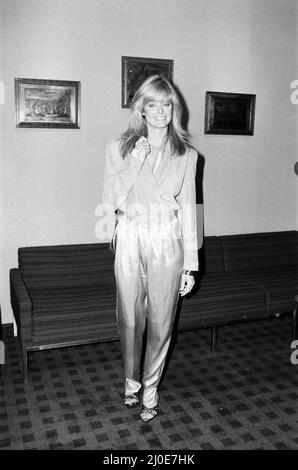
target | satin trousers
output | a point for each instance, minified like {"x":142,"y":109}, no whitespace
{"x":148,"y":267}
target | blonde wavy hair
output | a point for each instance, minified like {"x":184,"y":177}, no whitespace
{"x":154,"y":88}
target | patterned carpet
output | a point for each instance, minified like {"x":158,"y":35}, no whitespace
{"x":245,"y":396}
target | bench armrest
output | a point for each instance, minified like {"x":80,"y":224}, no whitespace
{"x":21,"y":305}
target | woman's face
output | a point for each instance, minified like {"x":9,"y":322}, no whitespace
{"x":158,"y":114}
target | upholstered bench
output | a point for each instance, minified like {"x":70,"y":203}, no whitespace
{"x":220,"y":297}
{"x":243,"y":277}
{"x":269,"y":260}
{"x":65,"y":295}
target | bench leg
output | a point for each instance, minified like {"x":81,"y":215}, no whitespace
{"x":294,"y":334}
{"x":25,"y":366}
{"x":214,"y":338}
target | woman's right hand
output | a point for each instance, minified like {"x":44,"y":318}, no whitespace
{"x":142,"y":149}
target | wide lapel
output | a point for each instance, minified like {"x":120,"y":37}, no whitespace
{"x":150,"y":180}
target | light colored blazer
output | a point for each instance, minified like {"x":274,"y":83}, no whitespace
{"x":129,"y":181}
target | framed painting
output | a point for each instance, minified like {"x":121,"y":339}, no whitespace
{"x":47,"y":103}
{"x":229,"y":113}
{"x":135,"y":70}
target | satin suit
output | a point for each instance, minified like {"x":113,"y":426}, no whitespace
{"x":152,"y":248}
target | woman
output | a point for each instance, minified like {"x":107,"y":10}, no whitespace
{"x":149,"y":183}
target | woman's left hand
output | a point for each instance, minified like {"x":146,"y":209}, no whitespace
{"x":187,"y":283}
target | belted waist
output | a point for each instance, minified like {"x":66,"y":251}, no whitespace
{"x":159,"y":217}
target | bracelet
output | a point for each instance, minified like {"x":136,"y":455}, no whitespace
{"x":187,"y":272}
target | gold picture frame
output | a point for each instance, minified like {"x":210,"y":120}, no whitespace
{"x":135,"y":70}
{"x":47,"y":103}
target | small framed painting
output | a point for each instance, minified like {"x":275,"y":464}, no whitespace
{"x":47,"y":103}
{"x":229,"y":113}
{"x":135,"y":70}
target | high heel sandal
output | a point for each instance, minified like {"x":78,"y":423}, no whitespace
{"x":131,"y":400}
{"x":151,"y":413}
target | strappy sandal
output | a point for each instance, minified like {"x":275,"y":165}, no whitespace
{"x":131,"y":400}
{"x":150,"y":412}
